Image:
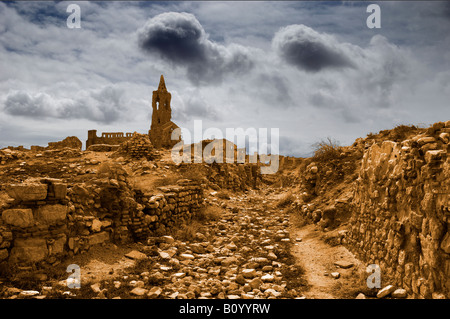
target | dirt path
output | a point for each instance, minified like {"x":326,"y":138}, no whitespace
{"x":318,"y":258}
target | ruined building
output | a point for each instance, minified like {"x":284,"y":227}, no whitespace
{"x":161,"y":128}
{"x":106,"y":138}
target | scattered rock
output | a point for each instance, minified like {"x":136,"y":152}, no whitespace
{"x":138,"y":291}
{"x":96,"y":288}
{"x":335,"y":275}
{"x":136,"y":255}
{"x":28,"y":293}
{"x":249,"y":273}
{"x":240,"y":279}
{"x":267,"y":278}
{"x":187,"y":256}
{"x":386,"y":291}
{"x":155,"y":292}
{"x":399,"y":293}
{"x":343,"y":264}
{"x":164,"y":255}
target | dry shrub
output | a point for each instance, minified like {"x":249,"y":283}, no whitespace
{"x":208,"y":213}
{"x":186,"y":232}
{"x":286,"y":200}
{"x":401,"y":132}
{"x":326,"y":150}
{"x":397,"y":134}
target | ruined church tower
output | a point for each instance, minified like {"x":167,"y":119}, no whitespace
{"x":162,"y":112}
{"x":162,"y":126}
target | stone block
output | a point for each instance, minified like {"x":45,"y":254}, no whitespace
{"x":445,"y":137}
{"x":433,"y":155}
{"x":98,"y":238}
{"x":27,"y":191}
{"x":51,"y":214}
{"x":18,"y":217}
{"x":59,"y":190}
{"x":59,"y":244}
{"x":29,"y":250}
{"x":96,"y":225}
{"x":426,"y":140}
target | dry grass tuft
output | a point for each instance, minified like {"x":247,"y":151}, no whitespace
{"x":187,"y":232}
{"x":326,"y":150}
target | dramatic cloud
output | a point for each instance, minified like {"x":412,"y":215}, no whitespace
{"x":102,"y":106}
{"x":194,"y":107}
{"x":179,"y":38}
{"x":309,"y":50}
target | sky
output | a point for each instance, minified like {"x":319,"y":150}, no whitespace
{"x":310,"y":69}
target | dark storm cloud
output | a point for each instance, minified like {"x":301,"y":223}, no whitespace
{"x":179,"y":38}
{"x":309,"y":50}
{"x":102,"y":106}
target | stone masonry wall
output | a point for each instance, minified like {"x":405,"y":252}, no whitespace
{"x":33,"y":227}
{"x":401,"y":212}
{"x":49,"y":220}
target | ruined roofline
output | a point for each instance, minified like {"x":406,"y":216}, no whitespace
{"x":162,"y":84}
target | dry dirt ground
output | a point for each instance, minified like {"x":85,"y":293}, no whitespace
{"x":317,"y":259}
{"x":311,"y":252}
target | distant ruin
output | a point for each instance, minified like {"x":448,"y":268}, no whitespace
{"x":161,"y":127}
{"x":107,"y":138}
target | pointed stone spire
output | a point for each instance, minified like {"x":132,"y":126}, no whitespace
{"x":162,"y":84}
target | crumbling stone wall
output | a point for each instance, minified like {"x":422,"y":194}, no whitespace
{"x":70,"y":142}
{"x":8,"y":155}
{"x":107,"y":138}
{"x":401,"y":212}
{"x":172,"y":205}
{"x":236,"y":177}
{"x":48,"y":220}
{"x":33,"y":226}
{"x":139,"y":146}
